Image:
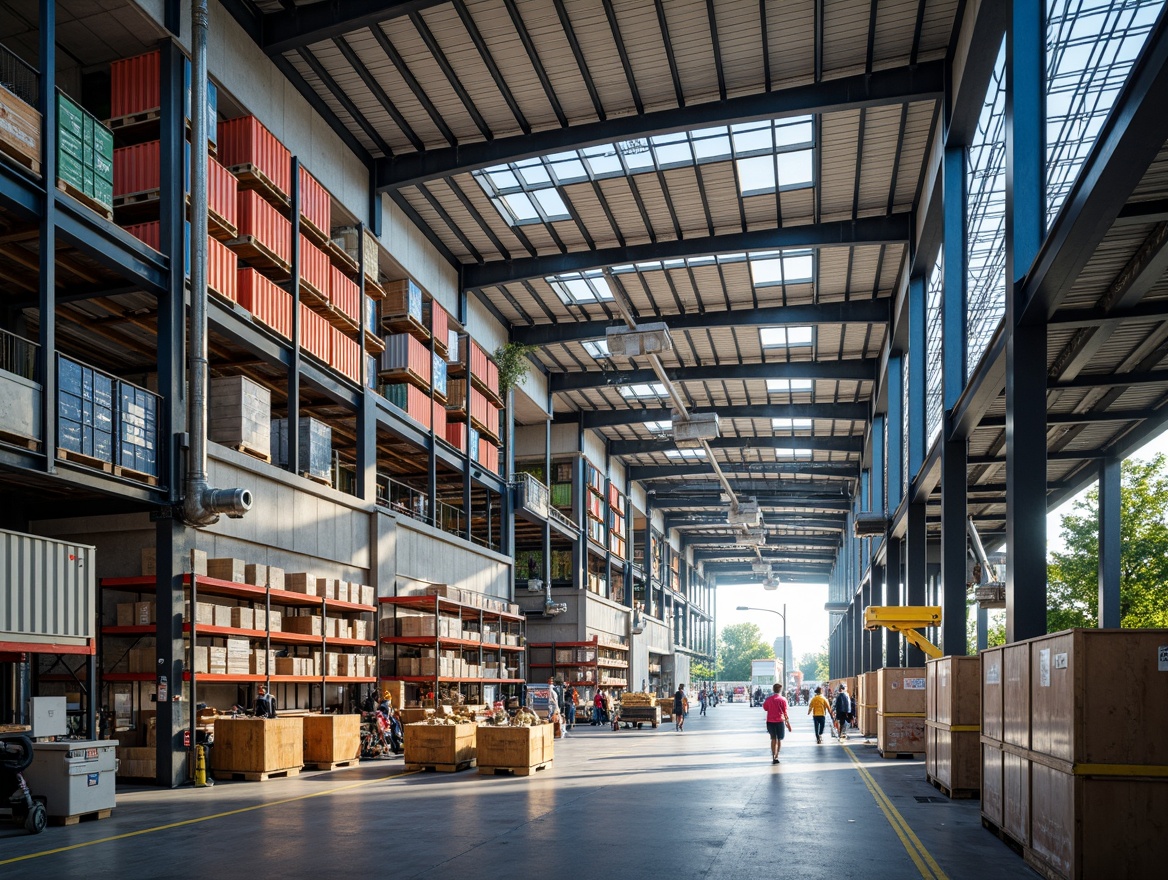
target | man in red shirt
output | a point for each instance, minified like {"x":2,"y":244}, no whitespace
{"x":778,"y":722}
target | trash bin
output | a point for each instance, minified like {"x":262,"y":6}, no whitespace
{"x":74,"y":778}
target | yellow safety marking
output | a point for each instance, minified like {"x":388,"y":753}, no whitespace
{"x":921,"y":857}
{"x":1121,"y":770}
{"x":965,"y":728}
{"x":903,"y":714}
{"x":128,"y":834}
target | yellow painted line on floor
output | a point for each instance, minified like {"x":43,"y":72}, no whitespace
{"x":921,"y":857}
{"x":264,"y":806}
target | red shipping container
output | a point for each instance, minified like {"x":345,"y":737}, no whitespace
{"x":439,"y":419}
{"x":439,"y":325}
{"x":245,"y":141}
{"x":314,"y":267}
{"x":315,"y":334}
{"x":403,"y":353}
{"x":480,"y":410}
{"x":221,"y":261}
{"x":478,"y":361}
{"x":488,"y":456}
{"x":343,"y":294}
{"x":136,"y":170}
{"x":270,"y":304}
{"x":456,"y":435}
{"x":316,"y":207}
{"x":135,"y":85}
{"x":346,"y":355}
{"x":265,"y":224}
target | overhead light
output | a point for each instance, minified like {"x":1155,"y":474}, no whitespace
{"x":870,"y":525}
{"x":770,"y":583}
{"x":745,"y":513}
{"x":698,"y":428}
{"x":645,"y":339}
{"x":761,"y":568}
{"x":752,"y":538}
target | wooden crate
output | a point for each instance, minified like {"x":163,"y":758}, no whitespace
{"x":953,"y":759}
{"x":900,"y":734}
{"x":1083,"y":706}
{"x":1084,"y":827}
{"x":1016,"y":796}
{"x":1016,"y":694}
{"x":20,"y":131}
{"x":519,"y":749}
{"x":257,"y":747}
{"x":137,"y":762}
{"x":991,"y":693}
{"x":441,"y":746}
{"x":900,"y":690}
{"x":330,"y":740}
{"x":991,"y":783}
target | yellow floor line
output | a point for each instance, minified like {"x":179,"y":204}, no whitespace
{"x":921,"y":857}
{"x":128,"y":834}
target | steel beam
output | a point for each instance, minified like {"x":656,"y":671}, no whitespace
{"x":893,"y":595}
{"x":772,"y":540}
{"x":862,"y":311}
{"x":920,"y":82}
{"x":303,"y":25}
{"x":646,"y":473}
{"x":917,"y":570}
{"x":857,"y":370}
{"x":699,"y":501}
{"x":889,"y":229}
{"x":1110,"y":542}
{"x":830,"y":444}
{"x":844,"y":412}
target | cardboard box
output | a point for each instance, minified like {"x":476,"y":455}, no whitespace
{"x":204,"y":613}
{"x":243,"y":618}
{"x":286,"y":666}
{"x":275,"y":622}
{"x":263,"y":662}
{"x":306,"y":624}
{"x":202,"y":658}
{"x":255,"y":574}
{"x":300,"y":582}
{"x":226,"y":568}
{"x":359,"y":629}
{"x":142,"y":660}
{"x":125,"y":614}
{"x":217,"y":663}
{"x":275,"y":578}
{"x":149,"y":562}
{"x":144,"y":613}
{"x":222,"y":615}
{"x":368,"y":596}
{"x":326,"y":587}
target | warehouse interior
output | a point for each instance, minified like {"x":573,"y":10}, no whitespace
{"x":557,"y":315}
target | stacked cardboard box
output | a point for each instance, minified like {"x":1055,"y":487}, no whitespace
{"x":241,"y":415}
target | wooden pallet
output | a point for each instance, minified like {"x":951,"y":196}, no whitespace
{"x":316,"y":478}
{"x":145,"y":197}
{"x":444,"y":768}
{"x":485,"y":431}
{"x":254,"y":453}
{"x":901,"y":756}
{"x":145,"y":205}
{"x":514,"y":771}
{"x":373,"y":343}
{"x":342,"y":259}
{"x":131,"y":474}
{"x":86,"y":460}
{"x":315,"y":297}
{"x":490,"y":395}
{"x":405,"y":324}
{"x":19,"y":440}
{"x":13,"y":152}
{"x":95,"y":206}
{"x":73,"y":820}
{"x":342,"y":321}
{"x":405,"y":375}
{"x":315,"y":234}
{"x":132,"y":120}
{"x":260,"y":255}
{"x":326,"y":765}
{"x":954,"y":794}
{"x":228,"y":775}
{"x":251,"y":177}
{"x":1003,"y":835}
{"x":373,"y":289}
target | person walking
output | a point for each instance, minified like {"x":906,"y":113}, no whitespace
{"x":778,"y":722}
{"x":570,"y":698}
{"x":703,"y":698}
{"x":679,"y":708}
{"x":843,"y":708}
{"x":819,"y":708}
{"x":598,"y":709}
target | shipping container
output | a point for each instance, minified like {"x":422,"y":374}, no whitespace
{"x":136,"y":92}
{"x":403,"y":299}
{"x":407,"y":359}
{"x":136,"y":173}
{"x":315,"y":334}
{"x":256,"y":156}
{"x":137,"y":429}
{"x":48,"y":594}
{"x":85,"y":412}
{"x":222,"y":263}
{"x":260,"y":221}
{"x":346,"y":355}
{"x":345,"y":296}
{"x":411,"y":399}
{"x":316,"y":447}
{"x":314,"y":270}
{"x":488,"y":455}
{"x":438,"y":320}
{"x":85,"y":153}
{"x":270,"y":304}
{"x":316,"y":206}
{"x":456,"y":435}
{"x":20,"y":132}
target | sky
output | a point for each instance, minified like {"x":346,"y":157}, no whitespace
{"x":807,"y":622}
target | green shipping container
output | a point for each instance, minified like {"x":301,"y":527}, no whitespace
{"x":103,"y":150}
{"x":70,"y":116}
{"x":561,"y":494}
{"x":103,"y":167}
{"x":70,"y":171}
{"x":103,"y":191}
{"x":69,"y":144}
{"x":87,"y":181}
{"x":395,"y":394}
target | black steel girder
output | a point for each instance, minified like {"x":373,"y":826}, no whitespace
{"x":861,"y":311}
{"x":278,"y":32}
{"x":772,"y":540}
{"x":776,"y":555}
{"x":859,"y":369}
{"x":830,"y":444}
{"x":889,"y":229}
{"x":849,"y":412}
{"x":646,"y":473}
{"x":821,"y":504}
{"x":920,"y":82}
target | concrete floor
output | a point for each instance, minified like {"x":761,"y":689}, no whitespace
{"x":703,"y":803}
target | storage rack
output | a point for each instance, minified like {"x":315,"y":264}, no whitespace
{"x":471,"y":620}
{"x":592,"y":663}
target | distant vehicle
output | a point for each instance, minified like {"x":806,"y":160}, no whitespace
{"x":764,"y":674}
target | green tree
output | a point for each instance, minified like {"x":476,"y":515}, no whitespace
{"x":810,"y":665}
{"x":1073,"y":575}
{"x":738,"y":644}
{"x":699,"y":671}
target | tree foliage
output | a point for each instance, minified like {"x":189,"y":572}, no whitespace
{"x":699,"y":671}
{"x":1073,"y":575}
{"x":814,"y":666}
{"x":738,"y":644}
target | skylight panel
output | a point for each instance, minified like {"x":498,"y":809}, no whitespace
{"x":787,"y":386}
{"x":756,"y":175}
{"x":574,"y":288}
{"x":685,"y":453}
{"x":551,"y":203}
{"x":790,"y":424}
{"x":789,"y":267}
{"x":795,"y":169}
{"x":786,"y":337}
{"x":643,"y":390}
{"x":660,"y":427}
{"x":792,"y":454}
{"x":598,"y":348}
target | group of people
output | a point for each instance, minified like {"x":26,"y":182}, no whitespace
{"x":842,"y":711}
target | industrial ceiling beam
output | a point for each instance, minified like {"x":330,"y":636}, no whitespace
{"x":699,"y":501}
{"x":919,"y":82}
{"x":855,"y":370}
{"x":845,"y":469}
{"x":821,"y":444}
{"x":1087,"y":418}
{"x":861,"y":311}
{"x":888,"y":229}
{"x":772,"y":540}
{"x":301,"y":26}
{"x":846,"y":412}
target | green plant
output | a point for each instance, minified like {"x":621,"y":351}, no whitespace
{"x":511,"y":358}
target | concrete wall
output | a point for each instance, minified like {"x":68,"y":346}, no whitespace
{"x":426,"y":555}
{"x":594,"y":448}
{"x":529,"y":440}
{"x":564,"y":441}
{"x":20,"y":406}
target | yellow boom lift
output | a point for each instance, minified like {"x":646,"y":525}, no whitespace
{"x":906,"y":620}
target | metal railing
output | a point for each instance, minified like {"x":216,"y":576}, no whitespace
{"x":405,"y":500}
{"x":19,"y":77}
{"x":18,"y":356}
{"x":531,"y":494}
{"x":554,"y":513}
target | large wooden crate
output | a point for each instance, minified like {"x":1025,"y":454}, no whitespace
{"x":440,"y":746}
{"x":330,"y":740}
{"x":868,"y":686}
{"x":1016,"y":796}
{"x":900,"y":734}
{"x":1016,"y":694}
{"x":1084,"y":827}
{"x":20,"y":131}
{"x":954,"y":690}
{"x":901,"y":690}
{"x":991,"y":694}
{"x":991,"y":783}
{"x":519,"y":749}
{"x":953,"y":759}
{"x":258,"y":747}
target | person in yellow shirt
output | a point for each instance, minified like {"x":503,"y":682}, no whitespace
{"x":819,"y":708}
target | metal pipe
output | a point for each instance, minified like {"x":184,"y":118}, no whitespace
{"x":201,"y":504}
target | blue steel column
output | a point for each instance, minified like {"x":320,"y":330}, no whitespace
{"x":507,"y":524}
{"x":546,"y":529}
{"x":892,"y":596}
{"x":954,"y":457}
{"x":580,"y":512}
{"x":1110,"y":542}
{"x":366,"y":413}
{"x":47,"y":293}
{"x":293,"y":448}
{"x":170,"y":533}
{"x":896,"y":439}
{"x":1025,"y":343}
{"x":917,"y":379}
{"x":916,"y":570}
{"x":880,"y":505}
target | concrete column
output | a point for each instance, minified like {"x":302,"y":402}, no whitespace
{"x":1110,"y":544}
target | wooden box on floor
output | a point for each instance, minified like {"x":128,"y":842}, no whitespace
{"x":868,"y":687}
{"x":953,"y":751}
{"x":520,"y":749}
{"x":137,"y":762}
{"x":441,"y":746}
{"x":900,"y":690}
{"x":330,"y":740}
{"x":900,"y":735}
{"x":258,"y":747}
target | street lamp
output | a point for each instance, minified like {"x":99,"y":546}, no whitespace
{"x":782,"y":614}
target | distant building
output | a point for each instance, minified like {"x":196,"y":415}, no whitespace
{"x":787,"y":655}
